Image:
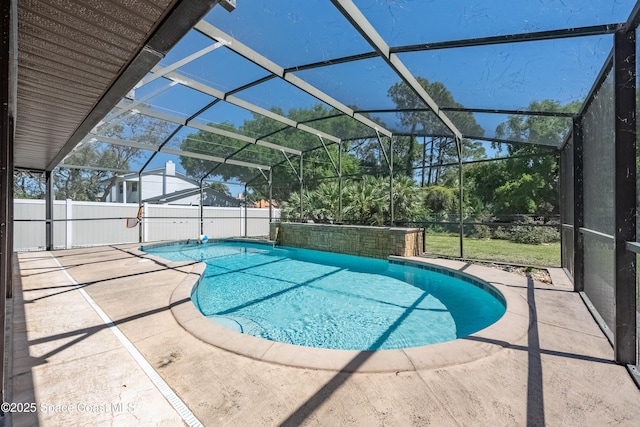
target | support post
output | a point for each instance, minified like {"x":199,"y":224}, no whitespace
{"x":391,"y":217}
{"x":6,"y":177}
{"x":461,"y":198}
{"x":424,"y":158}
{"x":245,"y":212}
{"x":270,"y":196}
{"x":145,"y":223}
{"x":301,"y":191}
{"x":49,"y":197}
{"x":140,"y":225}
{"x":10,"y":206}
{"x":578,"y":206}
{"x":68,"y":241}
{"x":340,"y":181}
{"x":201,"y":208}
{"x":625,"y":196}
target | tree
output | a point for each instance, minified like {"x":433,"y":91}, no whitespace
{"x":527,"y":183}
{"x":365,"y":201}
{"x":220,"y":187}
{"x":27,"y":185}
{"x":422,"y":121}
{"x":317,"y":166}
{"x":80,"y":184}
{"x":438,"y":199}
{"x":95,"y":184}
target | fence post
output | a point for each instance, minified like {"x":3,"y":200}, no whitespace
{"x":68,"y":241}
{"x":243,"y":210}
{"x":145,"y":224}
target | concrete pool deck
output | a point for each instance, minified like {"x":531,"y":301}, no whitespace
{"x":557,"y":369}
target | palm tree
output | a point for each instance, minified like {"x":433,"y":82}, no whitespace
{"x":406,"y":199}
{"x":365,"y":201}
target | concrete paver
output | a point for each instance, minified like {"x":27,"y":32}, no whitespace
{"x":560,"y":371}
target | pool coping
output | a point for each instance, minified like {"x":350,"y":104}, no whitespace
{"x":508,"y":330}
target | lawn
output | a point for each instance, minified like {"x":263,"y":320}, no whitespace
{"x":495,"y":250}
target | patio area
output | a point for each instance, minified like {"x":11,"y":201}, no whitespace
{"x":76,"y":368}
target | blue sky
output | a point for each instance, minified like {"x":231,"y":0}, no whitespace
{"x":294,"y":32}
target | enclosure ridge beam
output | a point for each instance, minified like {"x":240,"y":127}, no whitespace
{"x":121,"y":142}
{"x":470,"y":137}
{"x":95,"y":168}
{"x":334,"y":61}
{"x":475,"y":110}
{"x":214,"y":158}
{"x":209,"y":30}
{"x":594,"y":30}
{"x":351,"y":12}
{"x":494,"y":159}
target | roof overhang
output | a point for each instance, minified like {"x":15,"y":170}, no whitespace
{"x":72,"y":64}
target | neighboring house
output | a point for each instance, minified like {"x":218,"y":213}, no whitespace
{"x":166,"y":186}
{"x":264,"y":204}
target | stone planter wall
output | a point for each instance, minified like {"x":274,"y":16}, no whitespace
{"x":375,"y":242}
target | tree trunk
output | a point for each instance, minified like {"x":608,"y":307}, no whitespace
{"x":424,"y":158}
{"x":411,"y":152}
{"x":107,"y":189}
{"x":440,"y":157}
{"x":431,"y":161}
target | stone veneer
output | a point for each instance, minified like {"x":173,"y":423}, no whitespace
{"x":375,"y":242}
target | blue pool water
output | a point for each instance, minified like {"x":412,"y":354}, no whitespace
{"x":328,"y":300}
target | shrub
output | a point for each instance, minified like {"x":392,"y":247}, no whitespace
{"x":534,"y":235}
{"x":502,"y":233}
{"x":481,"y":231}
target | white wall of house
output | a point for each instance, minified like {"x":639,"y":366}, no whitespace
{"x":155,"y":185}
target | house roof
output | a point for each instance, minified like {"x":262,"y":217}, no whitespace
{"x":159,"y":171}
{"x":181,"y":194}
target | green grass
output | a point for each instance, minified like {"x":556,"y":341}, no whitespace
{"x":495,"y":250}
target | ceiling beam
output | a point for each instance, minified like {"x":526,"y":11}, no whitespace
{"x":184,"y":61}
{"x":207,"y":128}
{"x":149,"y":147}
{"x":231,"y":99}
{"x":216,"y":34}
{"x":351,"y":12}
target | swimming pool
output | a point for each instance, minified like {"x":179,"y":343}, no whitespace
{"x":320,"y":299}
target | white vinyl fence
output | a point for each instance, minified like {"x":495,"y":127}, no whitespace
{"x":79,"y":224}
